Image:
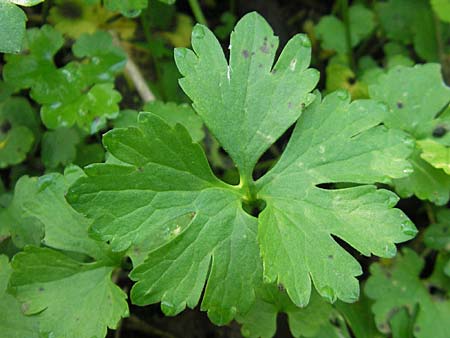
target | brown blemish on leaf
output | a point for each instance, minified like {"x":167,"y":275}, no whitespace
{"x":245,"y":53}
{"x":399,"y":105}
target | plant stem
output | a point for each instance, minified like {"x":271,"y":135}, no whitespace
{"x":248,"y":187}
{"x":134,"y":73}
{"x":430,"y":213}
{"x":443,"y":58}
{"x":348,"y":35}
{"x":198,"y":14}
{"x":45,"y":10}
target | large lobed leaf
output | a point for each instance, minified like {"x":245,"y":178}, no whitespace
{"x":159,"y":199}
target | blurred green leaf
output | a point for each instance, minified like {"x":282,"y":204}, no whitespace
{"x":398,"y":285}
{"x":18,"y":130}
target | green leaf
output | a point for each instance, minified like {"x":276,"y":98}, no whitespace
{"x":334,"y":141}
{"x":59,"y":147}
{"x":90,"y":111}
{"x":12,"y":28}
{"x":69,"y":297}
{"x":247,"y":98}
{"x":31,"y":69}
{"x":261,"y":320}
{"x":157,"y":197}
{"x":78,"y":93}
{"x":102,"y":59}
{"x":130,"y":8}
{"x":410,"y":21}
{"x":442,"y":9}
{"x":23,"y":229}
{"x":18,"y":130}
{"x":27,"y":3}
{"x":437,"y":236}
{"x":182,"y":114}
{"x":438,"y":155}
{"x":206,"y":212}
{"x":331,"y":30}
{"x":359,"y":317}
{"x":415,"y":96}
{"x":402,"y":324}
{"x":13,"y":324}
{"x":397,"y":286}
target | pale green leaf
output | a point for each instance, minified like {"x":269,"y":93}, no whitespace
{"x":437,"y":154}
{"x":12,"y":28}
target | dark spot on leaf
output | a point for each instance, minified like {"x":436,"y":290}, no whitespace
{"x":281,"y":287}
{"x":140,"y":169}
{"x":265,"y":49}
{"x":388,"y":274}
{"x":253,"y":53}
{"x":41,"y":289}
{"x":445,"y":230}
{"x":272,"y":45}
{"x":245,"y":53}
{"x":330,"y":257}
{"x":303,"y":105}
{"x":439,"y":131}
{"x":70,"y":10}
{"x":416,"y":328}
{"x":265,"y":38}
{"x":5,"y":127}
{"x":260,"y":65}
{"x":290,"y":105}
{"x":382,"y":326}
{"x":399,"y":105}
{"x":274,"y":71}
{"x":193,"y":214}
